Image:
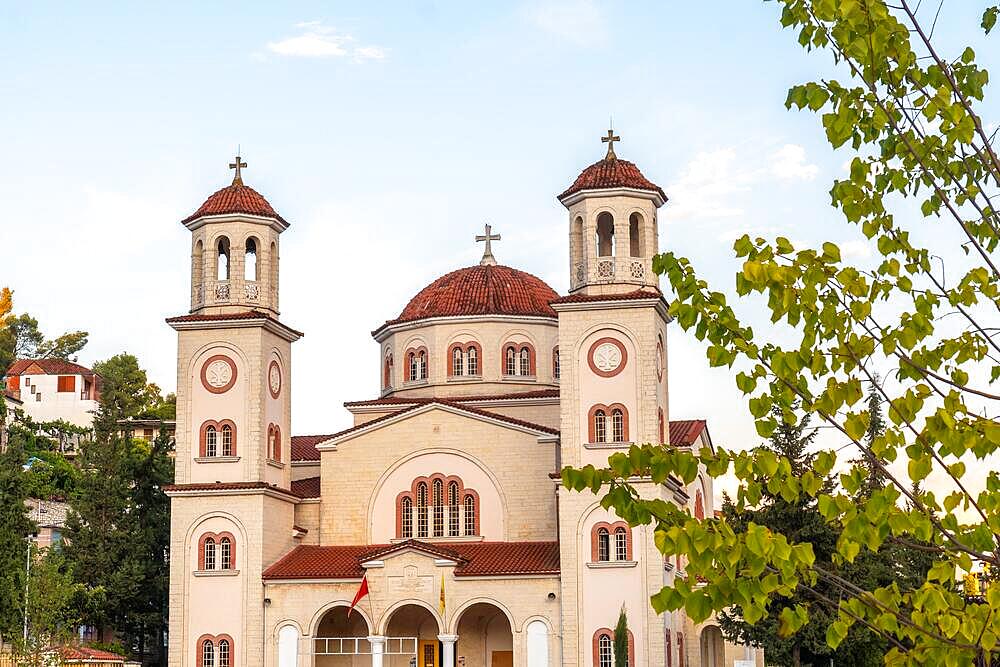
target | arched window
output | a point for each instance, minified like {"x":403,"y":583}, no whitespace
{"x":422,"y":358}
{"x":635,"y":235}
{"x":227,"y":440}
{"x":224,"y":658}
{"x":276,"y":452}
{"x":604,"y":651}
{"x":250,"y":261}
{"x":208,"y":559}
{"x":225,"y":554}
{"x":555,"y":362}
{"x":422,"y":509}
{"x":470,"y":515}
{"x":457,"y":362}
{"x":661,"y":426}
{"x":617,"y":425}
{"x":406,"y":518}
{"x":605,"y":235}
{"x":222,"y":262}
{"x":414,"y":367}
{"x":272,"y":259}
{"x":603,"y":545}
{"x":211,"y":441}
{"x":198,"y":270}
{"x":621,"y":543}
{"x":438,"y":508}
{"x":270,"y":442}
{"x":699,"y":506}
{"x":207,"y":653}
{"x":387,"y":372}
{"x":600,"y":426}
{"x":510,"y":361}
{"x":453,"y":509}
{"x":473,"y":361}
{"x":524,"y":367}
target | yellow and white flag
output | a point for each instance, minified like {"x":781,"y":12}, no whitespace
{"x":441,"y":604}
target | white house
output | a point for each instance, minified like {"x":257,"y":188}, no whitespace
{"x":52,"y":389}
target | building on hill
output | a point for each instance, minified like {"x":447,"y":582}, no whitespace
{"x":443,"y":499}
{"x":49,"y":517}
{"x":149,"y":429}
{"x":11,"y":403}
{"x":52,"y":389}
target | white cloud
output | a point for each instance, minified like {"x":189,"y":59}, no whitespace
{"x":316,"y":40}
{"x":788,"y":163}
{"x":705,"y":185}
{"x":577,"y":21}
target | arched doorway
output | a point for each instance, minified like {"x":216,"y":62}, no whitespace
{"x":409,"y":622}
{"x":713,"y":648}
{"x":485,"y":638}
{"x":342,"y":640}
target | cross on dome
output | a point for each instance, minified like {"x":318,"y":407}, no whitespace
{"x":488,"y":258}
{"x":610,"y":141}
{"x":239,"y":164}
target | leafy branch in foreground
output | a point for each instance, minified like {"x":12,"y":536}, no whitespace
{"x":924,"y":171}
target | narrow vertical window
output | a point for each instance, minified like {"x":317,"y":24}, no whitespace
{"x":510,"y":361}
{"x":600,"y":426}
{"x":438,"y":508}
{"x":635,"y":235}
{"x":555,"y":362}
{"x":470,"y":515}
{"x":224,"y":660}
{"x":453,"y":509}
{"x":473,"y":366}
{"x":387,"y":373}
{"x":603,"y":545}
{"x":207,"y":654}
{"x":406,"y":518}
{"x":661,"y":425}
{"x":270,"y":442}
{"x":604,"y":651}
{"x":223,"y":259}
{"x":423,"y":365}
{"x":525,"y":365}
{"x":621,"y":544}
{"x":617,"y":426}
{"x":456,"y":361}
{"x":605,"y":235}
{"x":209,"y":557}
{"x":422,"y":510}
{"x":227,"y":440}
{"x":211,"y":441}
{"x":225,"y":554}
{"x":250,"y":261}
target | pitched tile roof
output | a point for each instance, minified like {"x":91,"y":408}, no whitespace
{"x":227,"y":486}
{"x":612,"y":172}
{"x":87,"y":654}
{"x":398,"y":400}
{"x":480,"y":290}
{"x":686,"y":431}
{"x":225,"y":317}
{"x":49,"y":367}
{"x":306,"y":488}
{"x":235,"y":198}
{"x":475,"y":559}
{"x":625,"y":296}
{"x":304,"y":446}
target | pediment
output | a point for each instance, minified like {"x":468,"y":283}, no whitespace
{"x":438,"y":555}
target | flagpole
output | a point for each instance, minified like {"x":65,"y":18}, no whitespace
{"x":371,"y":609}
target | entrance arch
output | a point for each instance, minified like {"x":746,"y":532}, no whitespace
{"x":341,"y":640}
{"x":485,"y":636}
{"x":713,"y":648}
{"x":412,"y":620}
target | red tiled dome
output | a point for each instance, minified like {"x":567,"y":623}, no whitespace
{"x":481,"y":290}
{"x":612,"y":173}
{"x":236,"y":198}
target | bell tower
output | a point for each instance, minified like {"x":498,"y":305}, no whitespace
{"x":612,"y":226}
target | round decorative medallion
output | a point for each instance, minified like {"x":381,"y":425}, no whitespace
{"x":218,"y":374}
{"x":659,"y":359}
{"x":274,"y":379}
{"x":607,"y":357}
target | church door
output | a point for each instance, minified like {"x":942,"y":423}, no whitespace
{"x":428,"y":654}
{"x":502,"y":659}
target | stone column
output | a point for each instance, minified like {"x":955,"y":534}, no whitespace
{"x":448,"y":649}
{"x":378,"y":648}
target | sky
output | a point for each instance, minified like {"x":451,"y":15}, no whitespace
{"x":388,"y":134}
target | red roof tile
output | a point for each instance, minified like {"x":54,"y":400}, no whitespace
{"x":685,"y":432}
{"x":236,"y":198}
{"x":612,"y":173}
{"x":624,"y":296}
{"x":399,"y":400}
{"x":227,"y":486}
{"x":306,"y":488}
{"x":85,"y":653}
{"x":304,"y":447}
{"x":49,"y":367}
{"x":480,"y":290}
{"x":475,"y":559}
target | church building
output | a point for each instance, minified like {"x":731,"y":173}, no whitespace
{"x":452,"y":542}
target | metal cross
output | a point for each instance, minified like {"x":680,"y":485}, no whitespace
{"x":488,"y":258}
{"x":610,"y":141}
{"x":239,"y":164}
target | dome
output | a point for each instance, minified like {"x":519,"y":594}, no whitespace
{"x":236,"y":198}
{"x":486,"y":289}
{"x":612,"y":172}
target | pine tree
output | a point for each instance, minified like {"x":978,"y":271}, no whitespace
{"x":621,"y":640}
{"x":15,"y":527}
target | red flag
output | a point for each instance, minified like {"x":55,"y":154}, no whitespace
{"x":362,"y":592}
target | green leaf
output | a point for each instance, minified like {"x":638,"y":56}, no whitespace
{"x":990,"y":18}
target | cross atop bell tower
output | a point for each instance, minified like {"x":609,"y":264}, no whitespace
{"x":488,"y":258}
{"x":239,"y":164}
{"x":610,"y":141}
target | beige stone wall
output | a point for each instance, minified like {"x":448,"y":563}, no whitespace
{"x":516,"y":461}
{"x":544,"y":412}
{"x":204,"y":269}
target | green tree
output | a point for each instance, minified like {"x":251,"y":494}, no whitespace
{"x":21,"y":338}
{"x":923,"y":167}
{"x":127,"y":392}
{"x":621,"y":640}
{"x":15,"y":527}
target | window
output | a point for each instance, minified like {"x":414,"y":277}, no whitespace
{"x":600,"y":426}
{"x":524,"y":367}
{"x":227,"y":440}
{"x":617,"y":426}
{"x":422,"y":509}
{"x":218,"y":646}
{"x":207,"y":653}
{"x":211,"y":441}
{"x":38,"y":396}
{"x":670,"y":650}
{"x":510,"y":361}
{"x":604,"y":651}
{"x":600,"y":431}
{"x":456,"y":361}
{"x":699,"y":506}
{"x":470,"y":515}
{"x":422,"y":357}
{"x":605,"y":235}
{"x":224,"y":653}
{"x":635,"y":235}
{"x":225,"y":554}
{"x":66,"y":383}
{"x":603,"y":545}
{"x":222,"y":263}
{"x":387,"y":372}
{"x":208,"y":562}
{"x":621,"y":544}
{"x":445,"y":508}
{"x":518,"y":359}
{"x":438,"y":508}
{"x":406,"y":517}
{"x":660,"y":425}
{"x":250,"y":261}
{"x":473,"y":363}
{"x":416,"y":364}
{"x":453,"y":510}
{"x":413,"y":367}
{"x":273,"y":442}
{"x":555,"y":362}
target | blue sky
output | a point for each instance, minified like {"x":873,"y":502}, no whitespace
{"x":402,"y":128}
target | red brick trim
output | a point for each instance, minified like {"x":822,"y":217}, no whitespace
{"x":611,"y":635}
{"x":218,"y":553}
{"x":451,"y":358}
{"x":232,"y":649}
{"x":387,"y":371}
{"x":479,"y":358}
{"x":621,"y":348}
{"x":445,"y":500}
{"x":661,"y":358}
{"x":611,"y":528}
{"x":465,"y":347}
{"x":406,"y":359}
{"x":475,"y":497}
{"x":204,"y":370}
{"x":532,"y":371}
{"x":281,"y":379}
{"x":699,"y":506}
{"x":275,"y":453}
{"x":608,"y":429}
{"x":201,"y":549}
{"x":218,"y":445}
